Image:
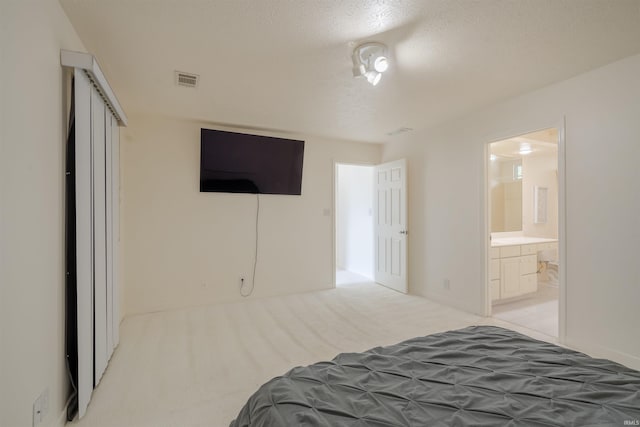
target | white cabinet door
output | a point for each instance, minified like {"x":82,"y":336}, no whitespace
{"x":494,"y":269}
{"x":528,"y":283}
{"x":509,"y":277}
{"x":529,"y":264}
{"x":495,"y":290}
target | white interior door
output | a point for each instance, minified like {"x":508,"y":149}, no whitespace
{"x":390,"y":224}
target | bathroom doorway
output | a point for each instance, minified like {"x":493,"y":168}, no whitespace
{"x":524,"y":187}
{"x":354,"y":232}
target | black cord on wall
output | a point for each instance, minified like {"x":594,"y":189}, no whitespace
{"x":255,"y":258}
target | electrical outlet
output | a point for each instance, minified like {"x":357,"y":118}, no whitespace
{"x":41,"y":407}
{"x":446,"y":284}
{"x":37,"y":412}
{"x":45,"y":402}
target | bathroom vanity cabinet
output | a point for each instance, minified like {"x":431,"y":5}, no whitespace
{"x":513,"y":267}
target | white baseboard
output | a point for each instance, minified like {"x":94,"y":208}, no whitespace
{"x":597,"y":351}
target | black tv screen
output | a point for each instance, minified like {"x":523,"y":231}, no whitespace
{"x":233,"y":162}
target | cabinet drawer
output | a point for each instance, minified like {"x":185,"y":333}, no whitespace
{"x":528,"y":249}
{"x":494,"y":269}
{"x":547,"y":246}
{"x":495,"y":253}
{"x":495,"y":290}
{"x":509,"y":251}
{"x":528,"y":264}
{"x":528,"y":283}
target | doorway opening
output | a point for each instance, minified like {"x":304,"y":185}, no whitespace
{"x":524,"y":222}
{"x":354,"y":248}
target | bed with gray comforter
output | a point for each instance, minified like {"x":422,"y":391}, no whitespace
{"x":477,"y":376}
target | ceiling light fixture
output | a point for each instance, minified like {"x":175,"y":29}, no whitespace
{"x":525,"y":149}
{"x":370,"y":60}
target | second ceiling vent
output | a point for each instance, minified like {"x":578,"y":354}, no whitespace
{"x":187,"y":79}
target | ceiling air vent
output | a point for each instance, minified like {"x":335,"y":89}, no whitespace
{"x":186,"y":79}
{"x":399,"y":131}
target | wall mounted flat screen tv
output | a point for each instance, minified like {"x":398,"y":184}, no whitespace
{"x":233,"y":162}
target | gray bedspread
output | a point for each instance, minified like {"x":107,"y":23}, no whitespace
{"x":477,"y":376}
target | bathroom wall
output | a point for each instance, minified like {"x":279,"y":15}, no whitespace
{"x":542,"y":171}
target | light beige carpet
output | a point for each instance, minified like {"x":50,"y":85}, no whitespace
{"x":197,"y":367}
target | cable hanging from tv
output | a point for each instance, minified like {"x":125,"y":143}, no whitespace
{"x":255,"y":258}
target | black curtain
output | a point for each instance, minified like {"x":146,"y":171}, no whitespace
{"x":71,"y":282}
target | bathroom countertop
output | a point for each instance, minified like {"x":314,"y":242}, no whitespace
{"x":520,"y":240}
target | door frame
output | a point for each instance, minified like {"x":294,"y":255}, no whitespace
{"x":560,"y":125}
{"x":334,"y":204}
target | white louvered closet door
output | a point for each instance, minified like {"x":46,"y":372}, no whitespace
{"x":97,"y":235}
{"x":84,"y":238}
{"x":115,"y":231}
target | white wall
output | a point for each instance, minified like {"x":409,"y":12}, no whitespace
{"x":447,"y":212}
{"x":186,"y":248}
{"x":354,"y":219}
{"x":542,"y":171}
{"x":32,"y":273}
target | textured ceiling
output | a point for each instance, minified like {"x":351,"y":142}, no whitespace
{"x":286,"y":64}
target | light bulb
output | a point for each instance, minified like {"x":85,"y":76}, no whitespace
{"x":381,"y":64}
{"x":373,"y":77}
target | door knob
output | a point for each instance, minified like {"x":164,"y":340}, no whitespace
{"x":404,"y":232}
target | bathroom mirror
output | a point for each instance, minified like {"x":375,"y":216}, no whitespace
{"x":506,"y":194}
{"x":523,"y":181}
